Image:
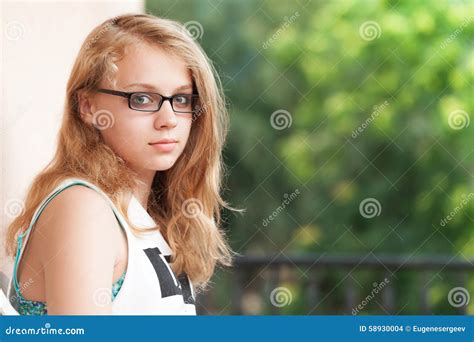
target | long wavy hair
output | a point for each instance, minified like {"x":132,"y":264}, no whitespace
{"x":185,"y":200}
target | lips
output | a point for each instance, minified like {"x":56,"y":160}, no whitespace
{"x":164,"y":145}
{"x":164,"y":141}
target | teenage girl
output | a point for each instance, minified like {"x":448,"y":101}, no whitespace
{"x":125,"y":218}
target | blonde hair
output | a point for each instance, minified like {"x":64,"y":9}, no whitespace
{"x":194,"y":182}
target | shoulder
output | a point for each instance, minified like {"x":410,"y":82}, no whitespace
{"x":77,"y":216}
{"x":80,"y":237}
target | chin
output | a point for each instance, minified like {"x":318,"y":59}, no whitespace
{"x":164,"y":163}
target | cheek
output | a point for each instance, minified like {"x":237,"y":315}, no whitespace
{"x":184,"y":130}
{"x":126,"y":138}
{"x":119,"y":132}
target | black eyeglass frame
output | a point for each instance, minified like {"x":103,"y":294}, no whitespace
{"x":129,"y":95}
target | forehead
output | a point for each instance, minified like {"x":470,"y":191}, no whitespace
{"x":144,"y":63}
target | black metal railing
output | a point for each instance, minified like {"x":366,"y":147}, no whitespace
{"x":251,"y":271}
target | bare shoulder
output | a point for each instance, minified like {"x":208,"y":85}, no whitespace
{"x":80,"y":234}
{"x":77,"y":210}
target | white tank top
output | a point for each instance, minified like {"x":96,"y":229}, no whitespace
{"x":150,"y":286}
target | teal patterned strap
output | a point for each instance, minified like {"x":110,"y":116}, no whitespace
{"x":35,"y":218}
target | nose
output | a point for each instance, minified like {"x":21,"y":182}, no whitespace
{"x":165,"y":117}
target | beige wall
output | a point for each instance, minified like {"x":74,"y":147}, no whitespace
{"x":39,"y":42}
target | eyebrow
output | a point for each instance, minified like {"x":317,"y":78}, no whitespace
{"x":153,"y":88}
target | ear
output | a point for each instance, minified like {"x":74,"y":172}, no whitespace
{"x":85,"y":106}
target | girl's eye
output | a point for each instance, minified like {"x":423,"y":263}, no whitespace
{"x":181,"y":100}
{"x":141,"y":100}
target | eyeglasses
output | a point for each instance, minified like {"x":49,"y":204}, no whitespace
{"x":151,"y":102}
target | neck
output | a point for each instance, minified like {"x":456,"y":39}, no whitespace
{"x":143,"y":189}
